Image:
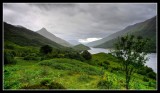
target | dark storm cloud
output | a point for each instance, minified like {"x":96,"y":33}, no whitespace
{"x":78,"y":21}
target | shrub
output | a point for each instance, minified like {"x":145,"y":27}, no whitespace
{"x":46,"y":49}
{"x":45,"y":82}
{"x":104,"y":65}
{"x":152,"y":84}
{"x":30,"y":57}
{"x":9,"y":58}
{"x":142,"y":72}
{"x":151,"y":75}
{"x":116,"y":68}
{"x":56,"y":85}
{"x":106,"y":62}
{"x":145,"y":79}
{"x":148,"y":69}
{"x":86,"y":55}
{"x":103,"y":84}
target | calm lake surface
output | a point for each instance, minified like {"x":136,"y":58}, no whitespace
{"x":152,"y":62}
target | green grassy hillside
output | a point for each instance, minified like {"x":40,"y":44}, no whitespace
{"x":64,"y":73}
{"x":81,"y":47}
{"x":25,"y":37}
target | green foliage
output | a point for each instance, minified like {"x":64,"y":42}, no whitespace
{"x":86,"y":55}
{"x":45,"y":82}
{"x":115,"y":68}
{"x":56,"y":85}
{"x":152,"y":84}
{"x":151,"y":75}
{"x":81,"y":47}
{"x":145,"y":79}
{"x":51,"y":85}
{"x":147,"y":71}
{"x":29,"y":57}
{"x":129,"y":49}
{"x":46,"y":49}
{"x":84,"y":78}
{"x":106,"y":62}
{"x":9,"y":57}
{"x":34,"y":87}
{"x":104,"y":84}
{"x":71,"y":65}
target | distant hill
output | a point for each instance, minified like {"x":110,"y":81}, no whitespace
{"x":52,"y":37}
{"x":25,"y":37}
{"x":81,"y":47}
{"x":146,"y":29}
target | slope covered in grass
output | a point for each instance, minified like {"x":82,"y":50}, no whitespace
{"x":25,"y":37}
{"x":71,"y":74}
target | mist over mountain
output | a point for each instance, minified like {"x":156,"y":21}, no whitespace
{"x":146,"y":29}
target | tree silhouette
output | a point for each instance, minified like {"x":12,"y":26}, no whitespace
{"x":86,"y":55}
{"x":46,"y":49}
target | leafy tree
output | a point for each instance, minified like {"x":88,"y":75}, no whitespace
{"x":86,"y":55}
{"x":46,"y":49}
{"x":130,"y":51}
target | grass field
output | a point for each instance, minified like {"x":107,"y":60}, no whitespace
{"x":71,"y":74}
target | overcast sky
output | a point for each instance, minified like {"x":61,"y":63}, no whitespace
{"x":78,"y":22}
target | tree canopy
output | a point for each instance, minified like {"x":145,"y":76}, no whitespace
{"x":46,"y":49}
{"x":130,"y":50}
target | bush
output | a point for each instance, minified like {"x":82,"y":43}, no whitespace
{"x":45,"y":82}
{"x":46,"y":49}
{"x":145,"y":79}
{"x":116,"y":68}
{"x":151,"y":75}
{"x":32,"y":57}
{"x":9,"y":58}
{"x":152,"y":84}
{"x":106,"y":62}
{"x":56,"y":85}
{"x":142,"y":72}
{"x":148,"y":69}
{"x":103,"y":84}
{"x":86,"y":55}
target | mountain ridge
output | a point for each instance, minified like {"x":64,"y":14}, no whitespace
{"x":43,"y":31}
{"x":119,"y":33}
{"x":25,"y":37}
{"x":146,"y":29}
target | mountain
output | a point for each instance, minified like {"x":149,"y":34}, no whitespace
{"x":146,"y":29}
{"x":148,"y":26}
{"x":25,"y":37}
{"x":81,"y":47}
{"x":52,"y":37}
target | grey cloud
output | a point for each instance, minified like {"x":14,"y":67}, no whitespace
{"x":76,"y":20}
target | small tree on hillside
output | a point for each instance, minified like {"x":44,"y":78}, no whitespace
{"x":46,"y":49}
{"x":130,"y":50}
{"x":86,"y":55}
